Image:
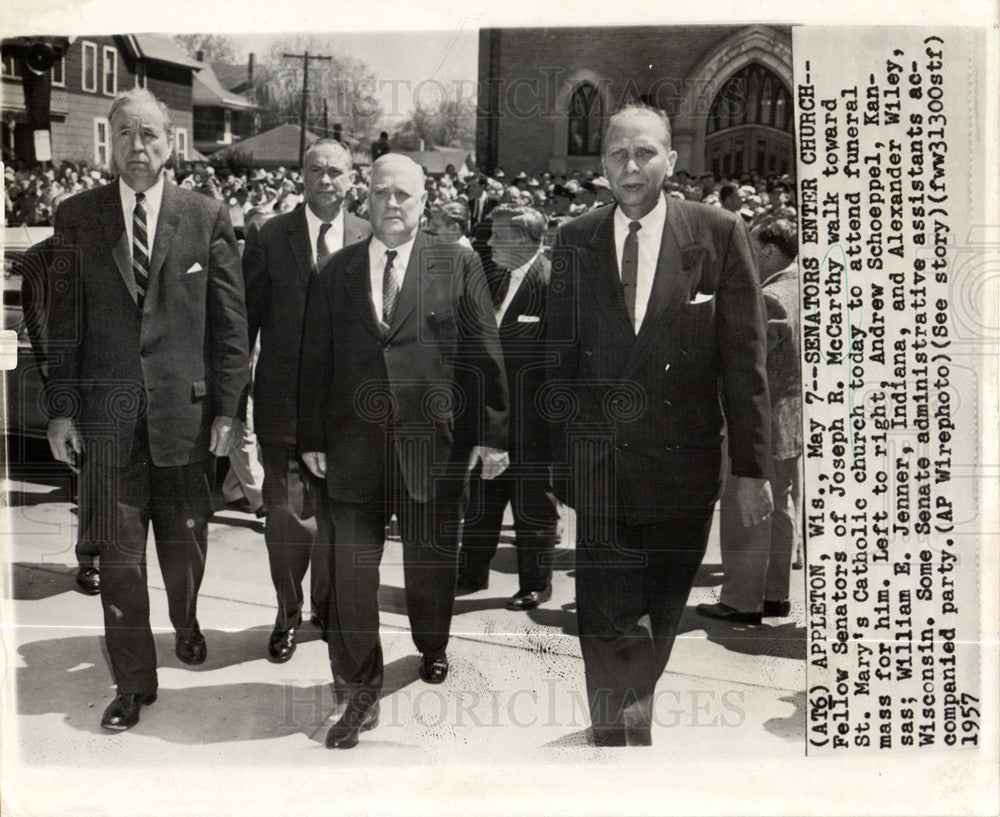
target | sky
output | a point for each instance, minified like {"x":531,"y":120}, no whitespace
{"x":407,"y":65}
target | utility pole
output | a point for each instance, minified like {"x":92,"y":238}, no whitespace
{"x":305,"y":96}
{"x":325,"y":120}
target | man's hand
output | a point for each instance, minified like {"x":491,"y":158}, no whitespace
{"x":754,"y":498}
{"x":494,"y":460}
{"x":316,"y":462}
{"x":222,"y":440}
{"x":65,"y":441}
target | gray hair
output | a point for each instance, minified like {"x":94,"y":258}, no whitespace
{"x":325,"y":140}
{"x":636,"y":109}
{"x":140,"y":96}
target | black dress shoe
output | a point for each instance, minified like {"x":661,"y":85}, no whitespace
{"x":723,"y":612}
{"x":529,"y":600}
{"x":777,"y":609}
{"x":88,"y":579}
{"x":355,"y":720}
{"x":281,"y":647}
{"x":123,"y":712}
{"x":191,"y":649}
{"x":466,"y":585}
{"x":433,"y":670}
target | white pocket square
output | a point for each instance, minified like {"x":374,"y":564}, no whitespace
{"x":528,"y":319}
{"x":196,"y":267}
{"x":702,"y":297}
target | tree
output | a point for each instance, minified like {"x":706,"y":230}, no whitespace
{"x":449,"y":123}
{"x":345,"y":82}
{"x":216,"y":47}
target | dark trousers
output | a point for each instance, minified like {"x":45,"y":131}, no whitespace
{"x":296,"y":533}
{"x":528,"y":490}
{"x":119,"y":504}
{"x":429,"y":531}
{"x":632,"y":583}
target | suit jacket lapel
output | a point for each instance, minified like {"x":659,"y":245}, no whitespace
{"x":527,"y":297}
{"x":166,"y":230}
{"x":413,"y":281}
{"x":354,"y":229}
{"x":358,"y":283}
{"x":673,"y":283}
{"x":115,"y":234}
{"x":298,"y":239}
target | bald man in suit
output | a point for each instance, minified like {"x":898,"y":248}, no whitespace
{"x":401,"y":392}
{"x":279,"y":262}
{"x":654,"y":313}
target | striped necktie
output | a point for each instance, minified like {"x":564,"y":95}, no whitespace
{"x":390,"y":288}
{"x":140,"y":248}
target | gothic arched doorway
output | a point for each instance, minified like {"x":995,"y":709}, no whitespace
{"x":749,"y":127}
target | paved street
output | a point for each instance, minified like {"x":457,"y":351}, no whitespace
{"x":514,"y":693}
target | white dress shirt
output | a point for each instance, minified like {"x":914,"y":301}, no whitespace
{"x":516,"y":277}
{"x":151,"y":204}
{"x":334,"y":236}
{"x":376,"y":268}
{"x":649,"y":238}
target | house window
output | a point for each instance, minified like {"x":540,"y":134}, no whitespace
{"x":181,"y":143}
{"x":585,"y":120}
{"x":89,"y":79}
{"x":11,"y":69}
{"x":140,"y":74}
{"x":109,"y":82}
{"x":59,"y":72}
{"x":102,"y":142}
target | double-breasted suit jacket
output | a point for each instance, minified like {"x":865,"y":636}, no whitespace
{"x":435,"y":376}
{"x":642,"y":414}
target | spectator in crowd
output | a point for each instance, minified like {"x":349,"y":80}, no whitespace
{"x":380,"y":146}
{"x":756,"y":560}
{"x":519,"y":303}
{"x":730,"y":198}
{"x":449,"y":223}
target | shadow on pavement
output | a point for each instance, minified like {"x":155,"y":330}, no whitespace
{"x":786,"y":640}
{"x":35,"y":582}
{"x":794,"y":726}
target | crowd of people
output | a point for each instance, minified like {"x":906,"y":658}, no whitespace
{"x":430,"y":350}
{"x":31,"y":194}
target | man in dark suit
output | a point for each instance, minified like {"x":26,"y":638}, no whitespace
{"x":757,"y":560}
{"x":279,"y":261}
{"x":401,"y":392}
{"x":654,"y":313}
{"x":148,"y":338}
{"x":519,"y":301}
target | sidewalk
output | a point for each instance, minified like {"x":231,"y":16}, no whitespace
{"x":515,"y":689}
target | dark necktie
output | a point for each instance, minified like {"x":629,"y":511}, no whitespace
{"x":501,"y":284}
{"x":140,"y":248}
{"x":322,"y":250}
{"x":390,"y":288}
{"x":630,"y":269}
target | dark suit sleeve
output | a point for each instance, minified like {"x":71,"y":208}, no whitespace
{"x":315,"y":363}
{"x":229,"y":357}
{"x":481,"y":344}
{"x":64,"y":340}
{"x":742,"y":338}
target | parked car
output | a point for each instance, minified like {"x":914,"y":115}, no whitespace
{"x":23,"y":311}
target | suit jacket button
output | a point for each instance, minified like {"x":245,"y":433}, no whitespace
{"x":387,"y":347}
{"x":667,"y":403}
